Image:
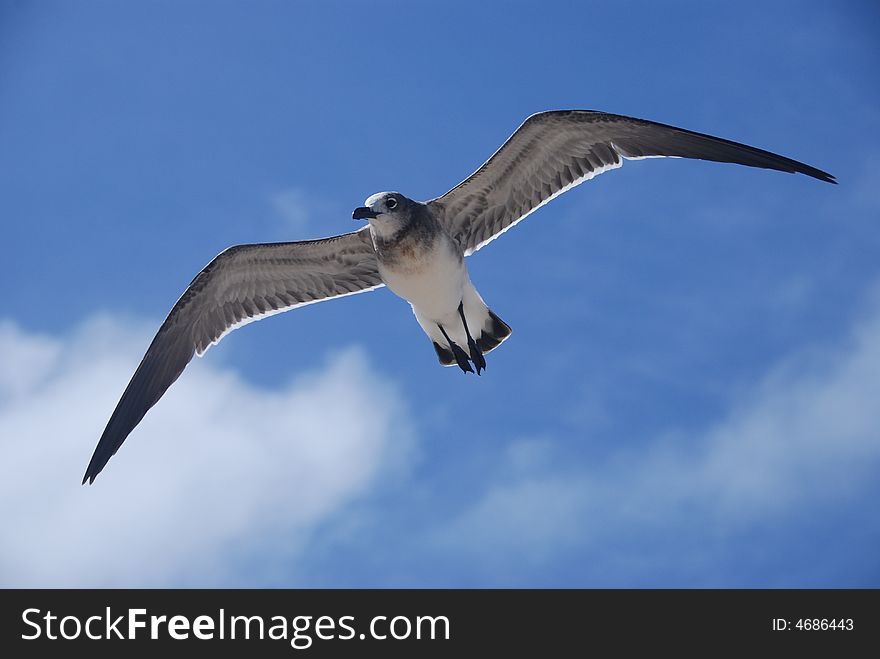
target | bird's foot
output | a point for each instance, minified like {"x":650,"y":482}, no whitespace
{"x":476,"y":355}
{"x":461,"y":358}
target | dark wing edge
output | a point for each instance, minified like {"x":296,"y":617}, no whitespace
{"x":242,"y":284}
{"x":554,"y":151}
{"x":659,"y":140}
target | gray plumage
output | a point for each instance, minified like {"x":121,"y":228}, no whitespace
{"x":241,"y":285}
{"x":553,"y":151}
{"x":415,"y":248}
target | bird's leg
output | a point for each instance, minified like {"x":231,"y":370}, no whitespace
{"x":460,"y":357}
{"x":476,"y":353}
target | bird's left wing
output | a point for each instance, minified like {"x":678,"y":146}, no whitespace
{"x":243,"y":284}
{"x":557,"y":150}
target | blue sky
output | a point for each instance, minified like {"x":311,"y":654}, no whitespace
{"x":689,"y":395}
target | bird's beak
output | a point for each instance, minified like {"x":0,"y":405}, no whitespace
{"x":364,"y":213}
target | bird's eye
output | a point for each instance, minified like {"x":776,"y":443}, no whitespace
{"x":391,"y":203}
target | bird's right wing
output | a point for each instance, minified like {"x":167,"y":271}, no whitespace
{"x":243,"y":284}
{"x":554,"y":151}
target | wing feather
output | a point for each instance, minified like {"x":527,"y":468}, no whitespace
{"x":242,"y":284}
{"x":554,"y":151}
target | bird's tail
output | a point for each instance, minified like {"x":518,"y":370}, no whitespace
{"x":492,"y":333}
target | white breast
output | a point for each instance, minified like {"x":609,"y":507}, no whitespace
{"x":431,"y":280}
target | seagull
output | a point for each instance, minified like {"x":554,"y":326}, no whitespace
{"x":415,"y":248}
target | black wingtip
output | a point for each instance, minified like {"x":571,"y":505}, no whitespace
{"x":105,"y":450}
{"x":92,"y":471}
{"x":825,"y":177}
{"x":795,"y":167}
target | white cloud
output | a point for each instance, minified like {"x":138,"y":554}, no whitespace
{"x":218,"y":470}
{"x":26,"y":360}
{"x":805,"y":437}
{"x":222,"y":474}
{"x":295,"y":207}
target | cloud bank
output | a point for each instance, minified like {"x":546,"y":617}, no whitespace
{"x":690,"y":507}
{"x":225,"y":483}
{"x":218,"y":473}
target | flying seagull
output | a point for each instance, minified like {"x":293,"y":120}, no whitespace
{"x":415,"y":248}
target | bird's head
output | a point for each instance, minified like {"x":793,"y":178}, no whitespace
{"x":387,"y":212}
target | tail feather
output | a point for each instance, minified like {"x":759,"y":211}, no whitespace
{"x":485,"y":330}
{"x":493,"y":334}
{"x":444,"y":355}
